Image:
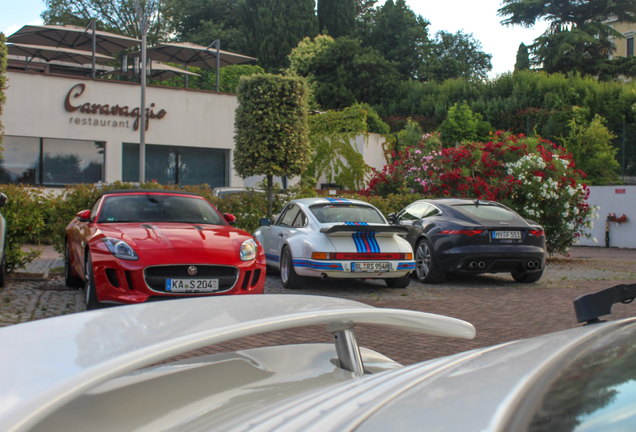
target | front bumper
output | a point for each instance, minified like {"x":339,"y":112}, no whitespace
{"x":122,"y":281}
{"x":343,"y":269}
{"x":495,"y":259}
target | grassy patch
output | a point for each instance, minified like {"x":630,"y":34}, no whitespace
{"x":56,"y":270}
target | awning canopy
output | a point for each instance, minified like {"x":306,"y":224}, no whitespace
{"x":190,"y":54}
{"x":72,"y":37}
{"x":160,"y":71}
{"x":48,"y":53}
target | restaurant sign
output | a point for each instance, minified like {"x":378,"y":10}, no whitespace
{"x":120,"y":116}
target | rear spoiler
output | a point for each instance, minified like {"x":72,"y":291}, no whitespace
{"x":47,"y":363}
{"x":365,"y":228}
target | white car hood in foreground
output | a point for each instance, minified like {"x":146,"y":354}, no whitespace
{"x":51,"y":362}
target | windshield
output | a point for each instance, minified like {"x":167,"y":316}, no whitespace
{"x":330,"y":213}
{"x":158,"y":208}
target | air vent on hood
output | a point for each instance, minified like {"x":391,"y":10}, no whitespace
{"x":200,"y":228}
{"x":147,"y":226}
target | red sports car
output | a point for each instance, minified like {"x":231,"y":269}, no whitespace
{"x":137,"y":245}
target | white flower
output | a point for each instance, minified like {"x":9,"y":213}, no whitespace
{"x":594,"y":240}
{"x":595,"y":215}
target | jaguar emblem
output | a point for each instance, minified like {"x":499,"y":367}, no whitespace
{"x":192,"y":270}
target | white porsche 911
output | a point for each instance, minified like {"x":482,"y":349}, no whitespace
{"x":335,"y":238}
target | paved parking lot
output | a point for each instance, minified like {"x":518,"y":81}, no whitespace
{"x":501,"y":309}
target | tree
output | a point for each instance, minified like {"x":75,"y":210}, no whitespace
{"x":345,"y":73}
{"x":116,"y":16}
{"x":399,"y":35}
{"x":271,"y":132}
{"x":458,"y":55}
{"x":3,"y":78}
{"x":204,"y":21}
{"x":591,"y":147}
{"x":301,"y":59}
{"x":410,"y":136}
{"x":523,"y":58}
{"x":364,"y":6}
{"x":578,"y":39}
{"x":462,"y":125}
{"x":276,"y":27}
{"x":336,"y":17}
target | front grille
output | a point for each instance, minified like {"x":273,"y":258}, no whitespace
{"x":156,"y":276}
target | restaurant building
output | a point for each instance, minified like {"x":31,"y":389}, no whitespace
{"x":61,"y":129}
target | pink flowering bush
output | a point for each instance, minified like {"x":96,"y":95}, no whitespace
{"x":532,"y":176}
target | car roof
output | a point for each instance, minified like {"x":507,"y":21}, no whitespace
{"x":148,"y":191}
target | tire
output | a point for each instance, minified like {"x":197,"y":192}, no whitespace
{"x":426,"y":270}
{"x":527,"y":277}
{"x":3,"y":271}
{"x":288,"y":275}
{"x":70,"y":280}
{"x":90,"y":293}
{"x":401,"y":282}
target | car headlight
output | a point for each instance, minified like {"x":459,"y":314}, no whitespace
{"x":120,"y":249}
{"x":248,"y":250}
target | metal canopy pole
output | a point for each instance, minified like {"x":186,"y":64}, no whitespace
{"x":218,"y":60}
{"x":142,"y":108}
{"x":94,"y":43}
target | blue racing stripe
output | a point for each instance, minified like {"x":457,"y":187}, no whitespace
{"x":339,"y":200}
{"x":375,"y":247}
{"x":272,"y":257}
{"x":318,"y":265}
{"x":406,"y":266}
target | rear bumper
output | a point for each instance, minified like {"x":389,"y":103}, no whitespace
{"x":343,"y":269}
{"x":495,"y":259}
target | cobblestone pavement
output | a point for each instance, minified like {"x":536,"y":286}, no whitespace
{"x":501,"y":309}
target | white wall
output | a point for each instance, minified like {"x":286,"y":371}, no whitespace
{"x":622,"y":235}
{"x":35,"y":108}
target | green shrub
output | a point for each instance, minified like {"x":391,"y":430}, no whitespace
{"x":24,"y":213}
{"x":3,"y":78}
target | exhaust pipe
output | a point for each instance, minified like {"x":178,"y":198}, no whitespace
{"x":472,"y":265}
{"x":324,"y":276}
{"x":537,"y":264}
{"x":482,"y":264}
{"x":531,"y":264}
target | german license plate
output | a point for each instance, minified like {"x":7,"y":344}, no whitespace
{"x":504,"y":235}
{"x":192,"y":285}
{"x":370,"y":267}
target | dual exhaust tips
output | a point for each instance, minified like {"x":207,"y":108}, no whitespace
{"x":533,"y":264}
{"x":475,"y":264}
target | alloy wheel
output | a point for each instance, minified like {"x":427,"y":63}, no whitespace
{"x":422,"y":260}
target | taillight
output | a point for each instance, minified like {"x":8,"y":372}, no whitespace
{"x":537,"y":233}
{"x":469,"y":233}
{"x":323,"y":255}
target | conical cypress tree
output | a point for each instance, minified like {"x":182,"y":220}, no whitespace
{"x":523,"y":58}
{"x":283,"y":24}
{"x":336,"y":17}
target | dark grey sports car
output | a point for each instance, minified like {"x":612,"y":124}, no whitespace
{"x":472,"y":236}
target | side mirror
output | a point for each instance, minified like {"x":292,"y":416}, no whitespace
{"x":84,"y":216}
{"x":3,"y":199}
{"x":391,"y":217}
{"x":229,"y":218}
{"x":264,"y":222}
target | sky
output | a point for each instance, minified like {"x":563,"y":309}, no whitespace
{"x":478,"y":17}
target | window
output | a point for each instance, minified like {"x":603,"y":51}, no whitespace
{"x":51,"y":162}
{"x":486,"y":212}
{"x":301,"y":220}
{"x":290,"y":216}
{"x":332,"y":213}
{"x":415,"y":211}
{"x":177,"y":165}
{"x":630,"y":46}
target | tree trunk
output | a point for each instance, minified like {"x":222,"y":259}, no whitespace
{"x":270,"y":196}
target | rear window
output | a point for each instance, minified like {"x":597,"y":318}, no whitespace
{"x":486,"y":212}
{"x":332,"y":213}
